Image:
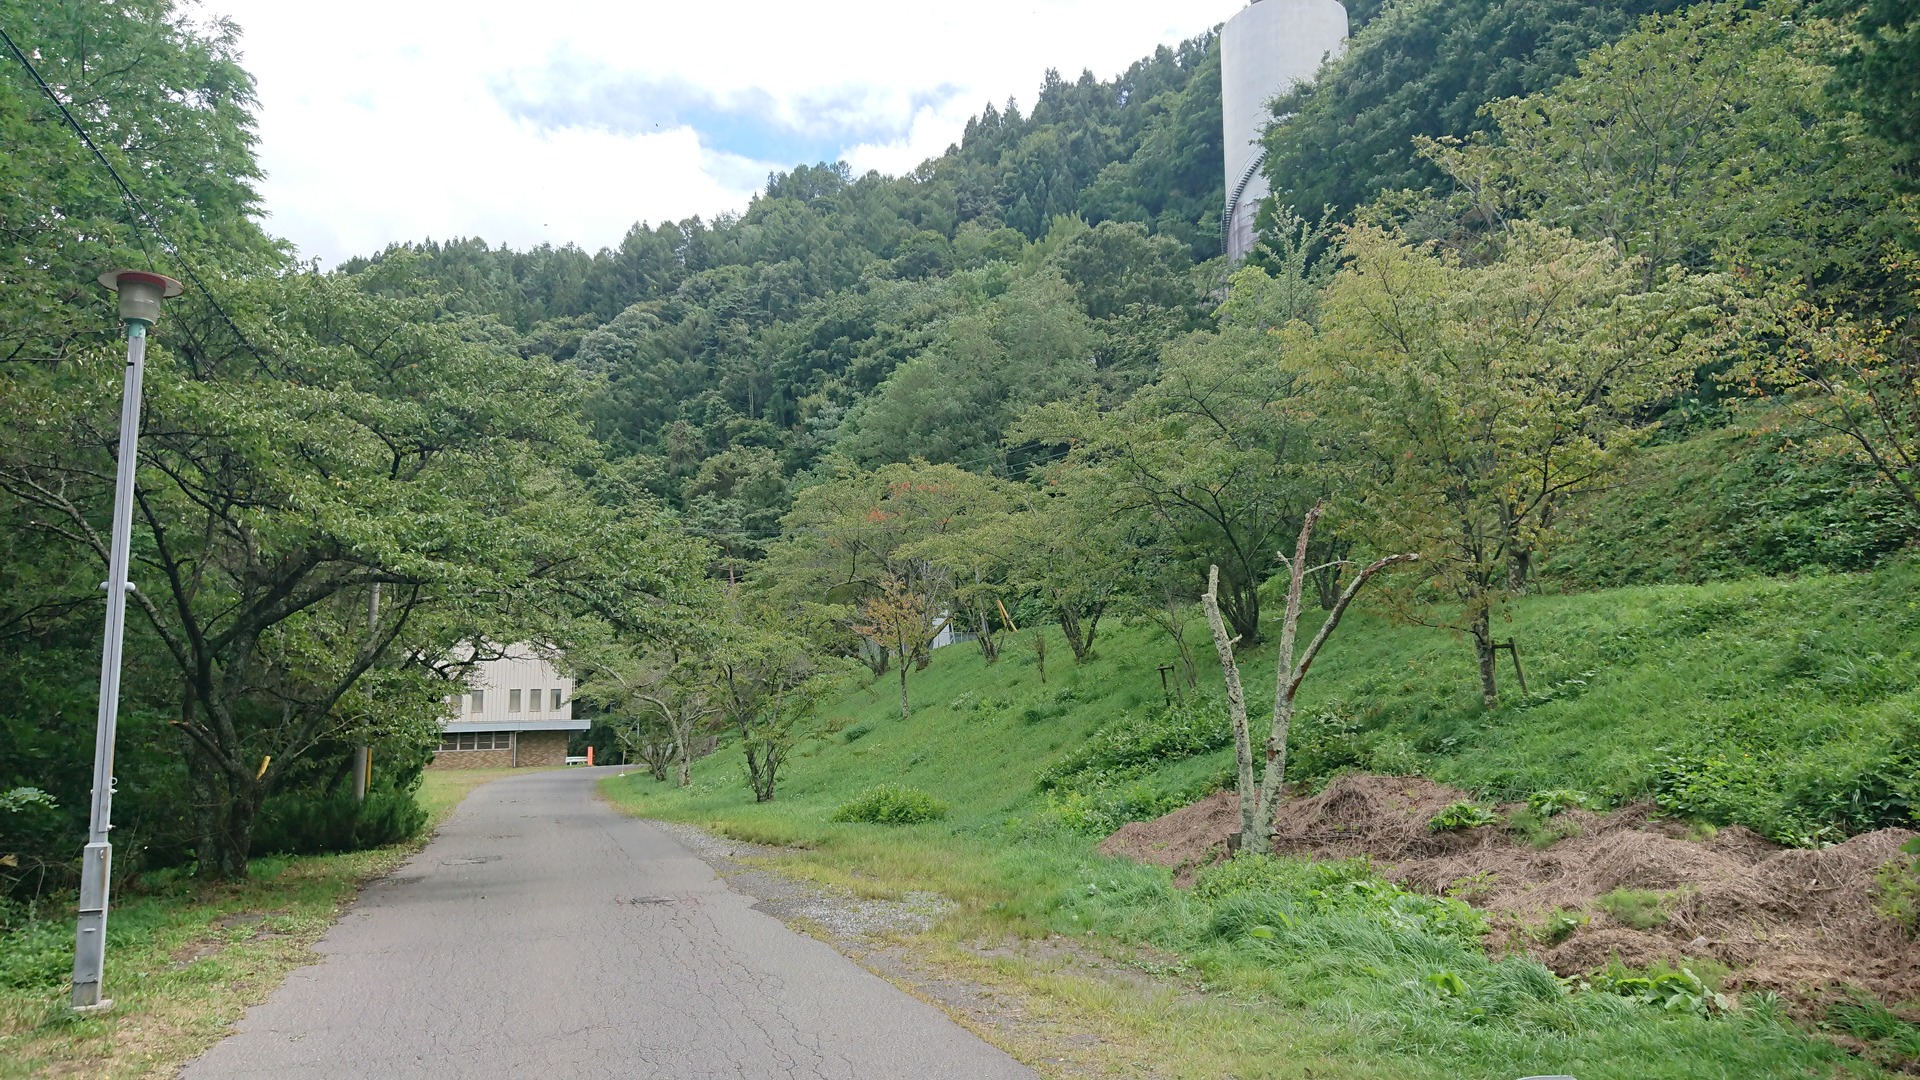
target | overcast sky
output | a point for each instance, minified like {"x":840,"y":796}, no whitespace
{"x":567,"y":120}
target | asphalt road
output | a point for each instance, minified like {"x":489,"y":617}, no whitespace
{"x":544,"y":935}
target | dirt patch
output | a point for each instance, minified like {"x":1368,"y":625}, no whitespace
{"x":1187,"y":840}
{"x":1794,"y":921}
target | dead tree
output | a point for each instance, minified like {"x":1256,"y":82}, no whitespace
{"x":1258,"y":805}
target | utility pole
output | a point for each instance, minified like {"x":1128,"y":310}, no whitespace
{"x":140,"y":296}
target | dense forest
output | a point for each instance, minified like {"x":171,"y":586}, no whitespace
{"x":1534,"y":272}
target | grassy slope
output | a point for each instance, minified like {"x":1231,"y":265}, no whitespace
{"x":1815,"y":678}
{"x":185,"y":961}
{"x":1807,"y":678}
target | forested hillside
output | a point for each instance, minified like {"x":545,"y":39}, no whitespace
{"x":734,"y":352}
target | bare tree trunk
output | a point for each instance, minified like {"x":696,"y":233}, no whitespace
{"x":1286,"y":681}
{"x":989,"y":643}
{"x":1242,"y":607}
{"x":1482,"y":631}
{"x":905,"y":712}
{"x":1329,"y":578}
{"x":1071,"y":629}
{"x":1040,"y":654}
{"x":1519,"y":570}
{"x":1250,"y":838}
{"x":1176,"y":628}
{"x":205,"y":789}
{"x":1258,"y":809}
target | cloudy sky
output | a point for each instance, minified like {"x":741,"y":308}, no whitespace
{"x":567,"y":120}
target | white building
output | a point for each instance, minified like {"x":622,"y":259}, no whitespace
{"x":517,"y":711}
{"x":1265,"y":51}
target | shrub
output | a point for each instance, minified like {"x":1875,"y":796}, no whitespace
{"x":1277,"y":893}
{"x":1097,"y":804}
{"x":1641,"y":909}
{"x":37,"y":955}
{"x":1034,"y":714}
{"x":1539,"y":831}
{"x":1169,"y":733}
{"x":856,"y":732}
{"x":1546,"y":804}
{"x":1746,"y":770}
{"x":892,"y":804}
{"x":1108,"y":780}
{"x":1324,"y":742}
{"x":14,"y":800}
{"x":1462,"y":815}
{"x":302,"y":823}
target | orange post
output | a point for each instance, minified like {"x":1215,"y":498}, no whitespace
{"x":589,"y":757}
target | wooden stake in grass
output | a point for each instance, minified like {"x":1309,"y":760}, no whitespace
{"x":1258,"y":806}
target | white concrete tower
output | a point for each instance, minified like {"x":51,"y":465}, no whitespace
{"x":1264,"y":51}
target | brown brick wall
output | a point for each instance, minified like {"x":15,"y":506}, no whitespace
{"x":537,"y":748}
{"x":471,"y":759}
{"x":543,"y":748}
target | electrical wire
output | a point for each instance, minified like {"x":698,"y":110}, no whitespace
{"x":132,"y":199}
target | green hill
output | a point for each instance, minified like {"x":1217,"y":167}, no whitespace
{"x":1785,"y":705}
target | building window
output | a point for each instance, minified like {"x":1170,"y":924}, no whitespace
{"x":533,"y":700}
{"x":479,"y":702}
{"x":556,"y":701}
{"x":476,"y":740}
{"x":513,"y":701}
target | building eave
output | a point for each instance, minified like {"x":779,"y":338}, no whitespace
{"x":516,"y":725}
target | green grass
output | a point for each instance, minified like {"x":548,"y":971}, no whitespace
{"x":1640,"y":909}
{"x":185,"y":960}
{"x":1731,"y":502}
{"x":1777,"y":703}
{"x":1786,"y":705}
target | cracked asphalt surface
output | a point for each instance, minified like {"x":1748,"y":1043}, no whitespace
{"x":543,"y":934}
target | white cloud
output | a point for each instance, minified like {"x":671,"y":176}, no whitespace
{"x":390,"y":121}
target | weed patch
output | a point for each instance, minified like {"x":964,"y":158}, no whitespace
{"x":1462,"y":815}
{"x":1640,"y":909}
{"x":1673,"y":991}
{"x":1889,"y":1039}
{"x":892,"y":804}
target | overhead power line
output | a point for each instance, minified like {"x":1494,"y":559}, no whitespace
{"x":127,"y":192}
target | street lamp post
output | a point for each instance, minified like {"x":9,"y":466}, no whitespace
{"x":140,"y":296}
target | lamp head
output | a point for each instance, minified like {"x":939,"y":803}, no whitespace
{"x":140,"y":293}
